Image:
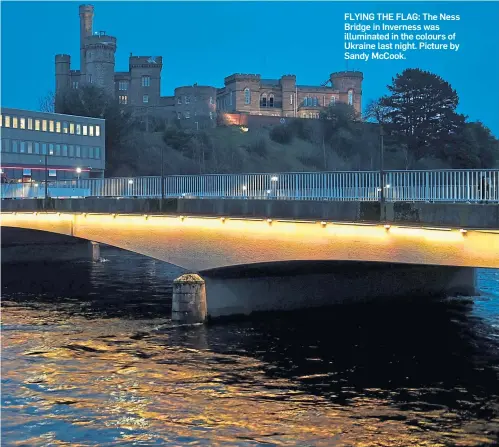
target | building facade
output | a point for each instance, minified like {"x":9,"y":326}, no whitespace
{"x":138,"y":89}
{"x":34,"y":144}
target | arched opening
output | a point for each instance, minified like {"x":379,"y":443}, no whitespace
{"x":247,"y":96}
{"x":263,"y":100}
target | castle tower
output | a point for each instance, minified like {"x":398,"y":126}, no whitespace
{"x":288,"y":86}
{"x":62,"y":75}
{"x":349,"y":84}
{"x":100,"y":50}
{"x":86,"y":26}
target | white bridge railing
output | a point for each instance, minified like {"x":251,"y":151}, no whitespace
{"x":407,"y":186}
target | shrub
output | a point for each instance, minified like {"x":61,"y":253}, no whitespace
{"x":301,"y":129}
{"x":259,"y":147}
{"x":281,"y":134}
{"x":176,"y":138}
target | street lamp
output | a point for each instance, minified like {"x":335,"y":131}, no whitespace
{"x":47,"y":153}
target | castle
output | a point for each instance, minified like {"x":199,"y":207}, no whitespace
{"x":138,"y":89}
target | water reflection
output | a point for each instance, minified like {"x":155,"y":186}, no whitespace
{"x":90,"y":359}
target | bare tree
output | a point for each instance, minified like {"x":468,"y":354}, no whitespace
{"x":47,"y":102}
{"x":376,"y":112}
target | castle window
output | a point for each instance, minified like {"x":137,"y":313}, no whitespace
{"x":37,"y":124}
{"x":263,"y":100}
{"x":75,"y":84}
{"x":51,"y":125}
{"x":324,"y":101}
{"x":291,"y":100}
{"x":123,"y":99}
{"x":123,"y":85}
{"x":71,"y":128}
{"x":7,"y":121}
{"x":78,"y":129}
{"x":146,"y":81}
{"x":315,"y":101}
{"x":30,"y":123}
{"x":90,"y":78}
{"x":84,"y":130}
{"x":211,"y":99}
{"x":97,"y":131}
{"x":14,"y":122}
{"x":64,"y":127}
{"x":247,"y":96}
{"x":332,"y":102}
{"x":187,"y":100}
{"x":58,"y":126}
{"x":22,"y":123}
{"x":145,"y":99}
{"x":271,"y":100}
{"x":179,"y":100}
{"x":230,"y":98}
{"x":91,"y":131}
{"x":179,"y":115}
{"x":350,"y":97}
{"x":187,"y":114}
{"x":44,"y":125}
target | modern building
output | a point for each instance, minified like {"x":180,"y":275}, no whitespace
{"x":37,"y":144}
{"x":138,"y":89}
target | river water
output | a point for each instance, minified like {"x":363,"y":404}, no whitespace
{"x":89,"y":357}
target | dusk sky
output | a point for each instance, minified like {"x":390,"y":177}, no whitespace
{"x":204,"y":42}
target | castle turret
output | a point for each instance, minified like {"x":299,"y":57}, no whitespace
{"x":349,"y":84}
{"x":62,"y":72}
{"x":86,"y":26}
{"x":100,"y":50}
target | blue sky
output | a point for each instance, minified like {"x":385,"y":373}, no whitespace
{"x":207,"y":41}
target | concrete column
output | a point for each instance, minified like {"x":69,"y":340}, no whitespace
{"x":95,"y":248}
{"x":189,"y":299}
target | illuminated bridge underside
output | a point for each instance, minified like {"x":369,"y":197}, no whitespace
{"x":200,"y":244}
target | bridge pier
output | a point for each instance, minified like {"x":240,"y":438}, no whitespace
{"x":95,"y":251}
{"x":189,"y":299}
{"x":345,"y":283}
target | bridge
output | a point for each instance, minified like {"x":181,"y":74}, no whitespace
{"x":312,"y":240}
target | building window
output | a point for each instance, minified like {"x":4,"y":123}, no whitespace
{"x":30,"y":123}
{"x":332,"y":102}
{"x":1,"y":120}
{"x":247,"y":96}
{"x":263,"y":100}
{"x":14,"y":122}
{"x":89,"y":78}
{"x":37,"y":148}
{"x":51,"y":148}
{"x":64,"y":150}
{"x":44,"y":148}
{"x":145,"y":99}
{"x":7,"y":121}
{"x":58,"y":150}
{"x":271,"y":100}
{"x":211,"y":115}
{"x":75,"y":84}
{"x":146,"y":81}
{"x":52,"y":173}
{"x":179,"y":100}
{"x":90,"y":152}
{"x":350,"y":97}
{"x":64,"y":127}
{"x":315,"y":101}
{"x":211,"y":99}
{"x":84,"y":152}
{"x":51,"y":126}
{"x":90,"y":131}
{"x":71,"y":128}
{"x":22,"y":123}
{"x":26,"y":172}
{"x":78,"y":151}
{"x":195,"y":99}
{"x":97,"y":153}
{"x":291,"y":100}
{"x":78,"y":129}
{"x":6,"y":145}
{"x":22,"y":147}
{"x":14,"y":146}
{"x":84,"y":130}
{"x":58,"y":126}
{"x":71,"y":150}
{"x":230,"y":98}
{"x":123,"y":85}
{"x":29,"y":146}
{"x":179,"y":115}
{"x":97,"y":131}
{"x":187,"y":99}
{"x":187,"y":114}
{"x":44,"y":125}
{"x":37,"y":124}
{"x":123,"y":99}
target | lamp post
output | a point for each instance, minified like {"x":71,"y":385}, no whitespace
{"x":382,"y":171}
{"x":47,"y":153}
